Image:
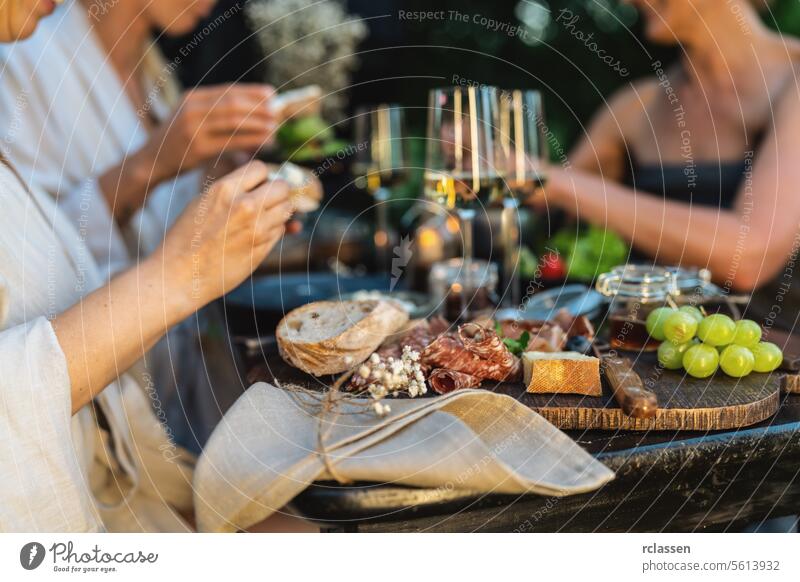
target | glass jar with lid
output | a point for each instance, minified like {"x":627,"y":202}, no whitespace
{"x":634,"y":291}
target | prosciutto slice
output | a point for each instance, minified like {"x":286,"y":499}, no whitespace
{"x":574,"y":325}
{"x":443,"y":381}
{"x":545,"y":336}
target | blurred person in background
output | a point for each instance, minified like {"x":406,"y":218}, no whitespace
{"x":695,"y":165}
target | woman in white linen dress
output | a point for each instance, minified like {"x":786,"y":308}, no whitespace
{"x":110,"y":465}
{"x":80,"y":447}
{"x":87,"y":107}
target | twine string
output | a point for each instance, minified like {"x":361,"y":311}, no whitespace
{"x":329,"y":402}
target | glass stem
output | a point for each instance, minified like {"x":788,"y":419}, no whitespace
{"x":467,"y":217}
{"x":509,"y":226}
{"x":383,"y":258}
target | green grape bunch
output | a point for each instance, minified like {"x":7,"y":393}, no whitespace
{"x":700,"y":344}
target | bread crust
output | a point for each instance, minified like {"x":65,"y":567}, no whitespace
{"x":350,"y":347}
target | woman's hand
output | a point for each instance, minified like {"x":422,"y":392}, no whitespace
{"x":215,"y":244}
{"x":225,"y":234}
{"x":211,"y":121}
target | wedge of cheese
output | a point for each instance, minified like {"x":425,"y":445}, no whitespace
{"x":562,"y":373}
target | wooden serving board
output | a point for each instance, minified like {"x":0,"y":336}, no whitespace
{"x":684,"y":403}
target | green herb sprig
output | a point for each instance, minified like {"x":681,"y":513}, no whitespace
{"x":515,"y":346}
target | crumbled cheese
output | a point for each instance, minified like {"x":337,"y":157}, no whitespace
{"x":393,"y":376}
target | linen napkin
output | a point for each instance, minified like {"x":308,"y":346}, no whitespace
{"x":275,"y":442}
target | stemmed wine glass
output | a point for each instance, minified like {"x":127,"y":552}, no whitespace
{"x":380,"y":163}
{"x":525,"y":152}
{"x":464,"y":163}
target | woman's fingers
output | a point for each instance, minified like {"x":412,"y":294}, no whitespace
{"x":248,"y":142}
{"x":269,"y":194}
{"x":237,"y":103}
{"x":261,"y":250}
{"x":249,"y":124}
{"x":245,"y":179}
{"x":213,"y":95}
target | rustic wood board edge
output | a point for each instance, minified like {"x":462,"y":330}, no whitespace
{"x":699,"y":419}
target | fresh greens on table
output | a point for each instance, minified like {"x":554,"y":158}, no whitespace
{"x":515,"y":346}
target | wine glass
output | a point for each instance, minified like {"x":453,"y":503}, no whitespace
{"x":464,"y":165}
{"x":380,"y":163}
{"x":526,"y":153}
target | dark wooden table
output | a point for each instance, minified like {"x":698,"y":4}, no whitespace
{"x":665,"y":481}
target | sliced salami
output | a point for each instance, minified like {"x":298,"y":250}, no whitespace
{"x":487,"y":344}
{"x":443,"y":380}
{"x":448,"y":351}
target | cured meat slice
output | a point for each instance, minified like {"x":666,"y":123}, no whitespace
{"x":443,"y":380}
{"x":574,"y":325}
{"x":488,"y":345}
{"x":448,"y":351}
{"x":545,"y":336}
{"x":418,"y":337}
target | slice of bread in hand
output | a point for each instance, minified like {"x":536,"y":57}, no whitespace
{"x":562,"y":372}
{"x":306,"y":190}
{"x":329,"y":337}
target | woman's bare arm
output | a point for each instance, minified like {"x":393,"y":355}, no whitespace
{"x":208,"y":122}
{"x":743,"y":247}
{"x":602,"y":150}
{"x":214,"y":245}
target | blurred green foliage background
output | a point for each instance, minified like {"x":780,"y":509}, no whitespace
{"x":544,"y":56}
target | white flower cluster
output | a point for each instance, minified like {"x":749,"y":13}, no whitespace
{"x":391,"y":377}
{"x":308,"y":42}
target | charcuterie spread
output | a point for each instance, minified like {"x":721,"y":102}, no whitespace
{"x":412,"y":358}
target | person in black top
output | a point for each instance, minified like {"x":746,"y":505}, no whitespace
{"x":697,"y":164}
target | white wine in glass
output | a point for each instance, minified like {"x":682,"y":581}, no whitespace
{"x":464,"y":165}
{"x":526,"y":153}
{"x":380,"y":164}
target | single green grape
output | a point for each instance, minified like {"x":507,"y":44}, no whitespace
{"x":736,"y":361}
{"x":670,"y":355}
{"x":767,"y":356}
{"x":747,"y":334}
{"x":680,"y":327}
{"x":700,"y":360}
{"x":655,"y":322}
{"x":693,"y":311}
{"x":716,"y":330}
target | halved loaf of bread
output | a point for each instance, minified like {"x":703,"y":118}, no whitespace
{"x":329,"y":337}
{"x":562,"y":373}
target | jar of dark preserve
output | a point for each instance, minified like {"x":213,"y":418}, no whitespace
{"x":634,"y":291}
